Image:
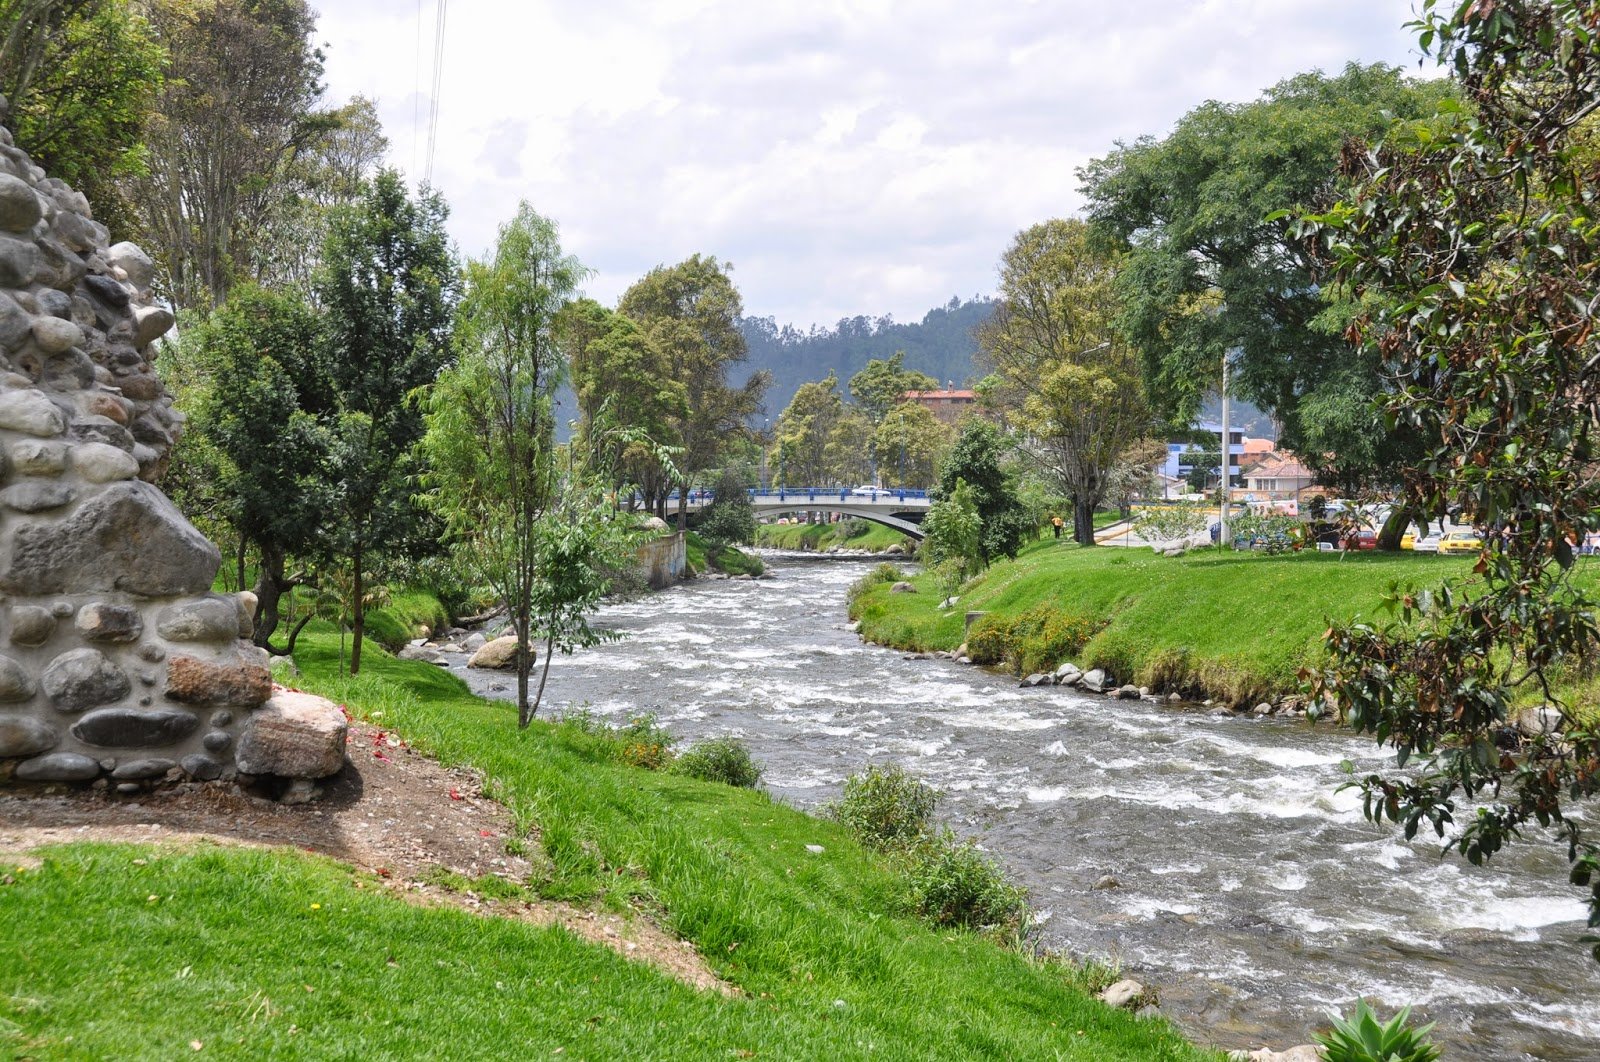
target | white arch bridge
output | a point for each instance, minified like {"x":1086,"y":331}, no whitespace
{"x":902,"y":510}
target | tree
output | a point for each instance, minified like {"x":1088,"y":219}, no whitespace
{"x":800,"y":440}
{"x":975,"y":460}
{"x":1474,"y":241}
{"x":238,"y":105}
{"x":263,"y":408}
{"x":953,"y":536}
{"x":491,"y":429}
{"x":1072,"y":383}
{"x":622,"y":378}
{"x":82,"y":78}
{"x":883,"y":384}
{"x":909,"y":443}
{"x":730,"y":519}
{"x":388,"y":285}
{"x":1207,"y":273}
{"x":690,"y":312}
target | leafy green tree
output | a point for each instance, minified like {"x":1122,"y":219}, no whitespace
{"x":388,"y":286}
{"x":883,"y":384}
{"x":263,"y":410}
{"x":953,"y":536}
{"x":730,"y":519}
{"x":1072,"y":384}
{"x":240,"y":102}
{"x":909,"y":443}
{"x":491,"y":430}
{"x":800,"y":439}
{"x":690,"y":312}
{"x":1473,"y":242}
{"x":975,"y":458}
{"x":82,"y":77}
{"x":622,"y":378}
{"x":1207,"y":272}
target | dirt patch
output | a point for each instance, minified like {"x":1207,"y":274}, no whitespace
{"x":391,"y":811}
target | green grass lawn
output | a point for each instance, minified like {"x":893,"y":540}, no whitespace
{"x":256,"y":954}
{"x":848,"y":534}
{"x":1235,"y":625}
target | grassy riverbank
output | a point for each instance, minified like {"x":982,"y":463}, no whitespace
{"x":253,"y":953}
{"x":1234,"y":626}
{"x":846,"y":534}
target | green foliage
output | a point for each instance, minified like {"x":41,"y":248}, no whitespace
{"x":1038,"y":639}
{"x":953,"y":533}
{"x":724,"y":760}
{"x":878,"y":576}
{"x":1072,"y":385}
{"x":976,"y":458}
{"x":1206,"y":272}
{"x":640,"y":742}
{"x":952,"y":883}
{"x":910,"y":442}
{"x":81,"y":106}
{"x":1170,"y":523}
{"x":882,"y":384}
{"x":1362,"y":1038}
{"x":729,"y":519}
{"x":1472,"y":244}
{"x":886,"y":808}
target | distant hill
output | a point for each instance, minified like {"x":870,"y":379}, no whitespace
{"x":1242,"y":416}
{"x":941,"y":345}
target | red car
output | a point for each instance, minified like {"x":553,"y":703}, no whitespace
{"x":1359,"y":540}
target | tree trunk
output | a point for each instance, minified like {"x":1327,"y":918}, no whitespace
{"x":241,"y":562}
{"x":271,"y":585}
{"x":358,"y":614}
{"x":1393,"y":528}
{"x":549,"y":648}
{"x":524,"y":665}
{"x":1083,"y":521}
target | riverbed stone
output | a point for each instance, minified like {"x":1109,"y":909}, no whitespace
{"x":58,"y":767}
{"x":141,"y":769}
{"x":19,"y":262}
{"x":245,"y":604}
{"x":1038,"y":678}
{"x":83,"y":678}
{"x":16,"y":684}
{"x":36,"y":496}
{"x":132,"y":260}
{"x":35,"y":457}
{"x":53,"y":335}
{"x":129,"y":537}
{"x":424,"y":655}
{"x":150,"y":323}
{"x":1127,"y":693}
{"x":473,"y":642}
{"x":1096,"y":680}
{"x":902,"y":588}
{"x":294,"y":735}
{"x":499,"y":655}
{"x":134,"y":728}
{"x":31,"y":625}
{"x":210,"y":619}
{"x":1542,"y":721}
{"x":21,"y":735}
{"x":241,"y":683}
{"x":199,"y":765}
{"x":103,"y":463}
{"x":102,"y":621}
{"x":31,"y":413}
{"x":19,"y":206}
{"x":1125,"y":993}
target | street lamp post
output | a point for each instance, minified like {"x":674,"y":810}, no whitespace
{"x":1227,"y":478}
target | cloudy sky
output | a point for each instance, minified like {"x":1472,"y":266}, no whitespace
{"x":847,"y":156}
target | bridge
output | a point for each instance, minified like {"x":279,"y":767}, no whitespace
{"x":902,"y":510}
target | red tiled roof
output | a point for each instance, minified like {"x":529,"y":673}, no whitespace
{"x":915,"y":395}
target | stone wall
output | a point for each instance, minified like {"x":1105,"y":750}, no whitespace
{"x":115,"y":658}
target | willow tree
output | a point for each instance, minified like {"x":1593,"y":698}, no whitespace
{"x":1072,"y":382}
{"x":493,"y":471}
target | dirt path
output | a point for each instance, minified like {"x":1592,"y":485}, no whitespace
{"x":391,"y":811}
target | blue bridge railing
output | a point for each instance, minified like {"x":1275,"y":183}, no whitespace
{"x":812,"y":494}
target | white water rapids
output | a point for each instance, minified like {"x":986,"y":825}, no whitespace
{"x":1252,"y":895}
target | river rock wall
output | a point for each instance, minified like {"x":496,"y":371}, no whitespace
{"x":115,"y":658}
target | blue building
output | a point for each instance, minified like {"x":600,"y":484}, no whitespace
{"x":1180,"y":458}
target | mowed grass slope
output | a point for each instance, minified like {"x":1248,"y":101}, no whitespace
{"x":1236,"y":625}
{"x":827,"y":964}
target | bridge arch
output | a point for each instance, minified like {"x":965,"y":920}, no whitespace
{"x":907,"y":523}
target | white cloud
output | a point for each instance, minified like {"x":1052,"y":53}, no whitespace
{"x":848,"y":157}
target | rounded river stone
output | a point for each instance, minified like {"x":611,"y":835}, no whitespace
{"x":58,"y":767}
{"x":83,"y":678}
{"x":126,"y":728}
{"x":22,"y":736}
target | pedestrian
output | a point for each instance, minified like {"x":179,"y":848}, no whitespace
{"x":1055,"y":521}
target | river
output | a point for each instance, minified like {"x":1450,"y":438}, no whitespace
{"x":1252,"y":896}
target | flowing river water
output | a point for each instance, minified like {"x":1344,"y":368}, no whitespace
{"x":1252,"y":896}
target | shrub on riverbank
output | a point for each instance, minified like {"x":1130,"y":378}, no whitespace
{"x":846,"y":534}
{"x":730,"y":560}
{"x":1038,"y":639}
{"x":724,"y":760}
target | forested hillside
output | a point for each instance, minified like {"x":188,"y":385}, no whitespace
{"x":941,"y":345}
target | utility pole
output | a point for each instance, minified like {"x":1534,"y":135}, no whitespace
{"x":1227,"y":478}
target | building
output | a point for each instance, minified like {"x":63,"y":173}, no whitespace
{"x":1280,"y":482}
{"x":947,"y":407}
{"x":1183,"y":455}
{"x":1255,"y":451}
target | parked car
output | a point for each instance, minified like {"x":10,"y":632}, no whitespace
{"x":1362,"y":539}
{"x":1461,"y":542}
{"x":1428,"y":543}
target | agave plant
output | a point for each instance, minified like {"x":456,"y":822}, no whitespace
{"x":1362,"y":1038}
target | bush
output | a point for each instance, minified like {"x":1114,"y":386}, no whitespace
{"x":1036,"y":640}
{"x":385,"y":628}
{"x":883,"y":573}
{"x":1361,"y":1038}
{"x":885,"y":807}
{"x":724,"y":760}
{"x":642,"y":743}
{"x":855,"y":527}
{"x":954,"y":884}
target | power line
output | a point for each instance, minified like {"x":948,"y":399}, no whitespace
{"x":438,"y":83}
{"x":416,"y":95}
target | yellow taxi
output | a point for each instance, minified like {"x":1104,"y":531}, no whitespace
{"x":1461,"y":542}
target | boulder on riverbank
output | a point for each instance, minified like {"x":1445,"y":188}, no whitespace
{"x":499,"y":655}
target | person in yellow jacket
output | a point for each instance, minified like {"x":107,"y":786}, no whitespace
{"x":1055,"y":521}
